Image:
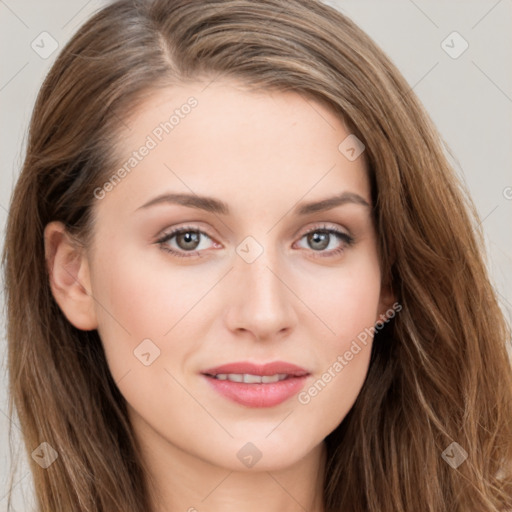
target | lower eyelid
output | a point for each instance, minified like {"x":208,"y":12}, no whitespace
{"x":343,"y":237}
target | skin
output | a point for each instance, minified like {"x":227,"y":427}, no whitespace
{"x":262,"y":153}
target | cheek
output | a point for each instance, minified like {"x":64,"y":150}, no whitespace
{"x":348,"y":301}
{"x":350,"y":308}
{"x":138,"y":300}
{"x":138,"y":297}
{"x":350,"y":347}
{"x":125,"y":300}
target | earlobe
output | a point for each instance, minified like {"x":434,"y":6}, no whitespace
{"x":69,"y":278}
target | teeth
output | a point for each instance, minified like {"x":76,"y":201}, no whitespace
{"x":269,"y":378}
{"x":251,"y":379}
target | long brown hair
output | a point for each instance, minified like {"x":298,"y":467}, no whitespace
{"x":439,"y":371}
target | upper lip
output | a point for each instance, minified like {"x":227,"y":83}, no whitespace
{"x":258,"y":369}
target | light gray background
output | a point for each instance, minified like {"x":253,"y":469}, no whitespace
{"x":469,"y":98}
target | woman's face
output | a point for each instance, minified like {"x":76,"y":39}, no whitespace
{"x":244,"y":284}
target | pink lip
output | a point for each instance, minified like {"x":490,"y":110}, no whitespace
{"x":258,"y":369}
{"x":259,"y":394}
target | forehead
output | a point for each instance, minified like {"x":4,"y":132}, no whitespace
{"x":250,"y":148}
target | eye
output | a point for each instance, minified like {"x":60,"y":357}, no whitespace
{"x":320,"y":238}
{"x":187,"y":239}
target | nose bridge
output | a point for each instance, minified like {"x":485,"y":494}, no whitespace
{"x":261,"y":274}
{"x":264,"y":302}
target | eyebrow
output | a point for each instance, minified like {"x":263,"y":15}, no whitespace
{"x":210,"y":204}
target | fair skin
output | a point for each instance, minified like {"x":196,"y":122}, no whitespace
{"x":264,"y":154}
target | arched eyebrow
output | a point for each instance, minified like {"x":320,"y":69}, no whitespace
{"x":209,"y":204}
{"x":329,"y":203}
{"x":213,"y":205}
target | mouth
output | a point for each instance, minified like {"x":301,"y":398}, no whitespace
{"x":249,"y":378}
{"x":254,"y":385}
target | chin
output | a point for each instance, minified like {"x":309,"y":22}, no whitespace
{"x":262,"y":454}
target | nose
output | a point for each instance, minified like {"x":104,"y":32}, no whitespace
{"x":263,"y":302}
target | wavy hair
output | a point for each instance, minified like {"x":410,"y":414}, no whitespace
{"x":439,"y":371}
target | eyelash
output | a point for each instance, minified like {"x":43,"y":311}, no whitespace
{"x":344,"y":237}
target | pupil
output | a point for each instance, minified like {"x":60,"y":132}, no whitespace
{"x":320,"y":237}
{"x":190,"y":237}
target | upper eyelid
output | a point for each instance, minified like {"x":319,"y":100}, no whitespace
{"x":175,"y":231}
{"x":171,"y":233}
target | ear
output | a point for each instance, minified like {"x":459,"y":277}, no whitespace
{"x":388,"y":306}
{"x":68,"y":271}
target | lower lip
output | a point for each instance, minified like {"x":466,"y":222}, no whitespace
{"x":258,"y":395}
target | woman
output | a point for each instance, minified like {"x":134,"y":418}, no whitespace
{"x":241,"y":273}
